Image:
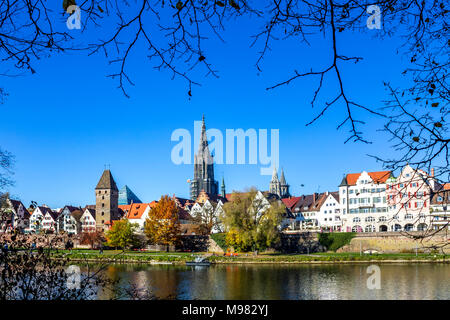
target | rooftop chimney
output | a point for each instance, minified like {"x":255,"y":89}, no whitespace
{"x":432,"y":172}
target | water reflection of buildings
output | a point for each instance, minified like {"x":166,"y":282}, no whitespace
{"x":398,"y":281}
{"x":163,"y":281}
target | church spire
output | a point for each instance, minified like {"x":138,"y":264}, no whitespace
{"x":282,"y":178}
{"x":203,"y":139}
{"x":284,"y":187}
{"x":203,"y":168}
{"x":274,"y":174}
{"x":222,"y":188}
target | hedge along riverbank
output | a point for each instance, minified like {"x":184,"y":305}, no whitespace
{"x":335,"y":240}
{"x":219,"y":238}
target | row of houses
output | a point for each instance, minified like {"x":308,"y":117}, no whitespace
{"x":76,"y":220}
{"x":364,"y":202}
{"x":376,"y":202}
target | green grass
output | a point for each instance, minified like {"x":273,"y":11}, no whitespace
{"x":181,"y":257}
{"x":330,"y":257}
{"x":119,"y":255}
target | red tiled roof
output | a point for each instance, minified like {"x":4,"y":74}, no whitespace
{"x":290,"y":202}
{"x":446,"y":186}
{"x":136,"y":210}
{"x":377,"y":177}
{"x":313,"y":202}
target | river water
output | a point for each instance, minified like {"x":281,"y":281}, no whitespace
{"x":275,"y":281}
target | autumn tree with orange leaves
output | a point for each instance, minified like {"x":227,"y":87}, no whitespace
{"x":162,"y":226}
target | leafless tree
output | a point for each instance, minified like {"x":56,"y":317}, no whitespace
{"x":207,"y":218}
{"x":6,"y":166}
{"x":177,"y":33}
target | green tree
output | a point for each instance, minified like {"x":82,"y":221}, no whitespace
{"x":252,"y":221}
{"x":122,"y":234}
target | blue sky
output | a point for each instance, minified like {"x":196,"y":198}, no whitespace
{"x":64,"y":123}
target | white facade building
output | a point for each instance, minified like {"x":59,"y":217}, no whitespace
{"x":329,"y":214}
{"x":69,"y":220}
{"x":408,"y":198}
{"x":14,"y":216}
{"x":440,"y":210}
{"x":49,"y":222}
{"x":363,"y":201}
{"x":37,"y":218}
{"x":87,"y":220}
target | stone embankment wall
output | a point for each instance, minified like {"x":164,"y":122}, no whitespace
{"x":305,"y":242}
{"x":398,"y":242}
{"x":54,"y":240}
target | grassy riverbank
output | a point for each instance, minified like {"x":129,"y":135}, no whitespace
{"x":181,"y":257}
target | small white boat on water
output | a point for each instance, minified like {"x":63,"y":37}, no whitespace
{"x":199,"y":261}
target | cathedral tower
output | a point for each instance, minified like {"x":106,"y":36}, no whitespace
{"x":274,"y":186}
{"x":279,"y":186}
{"x":203,"y":169}
{"x":107,"y":198}
{"x":284,"y":187}
{"x":222,"y":189}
